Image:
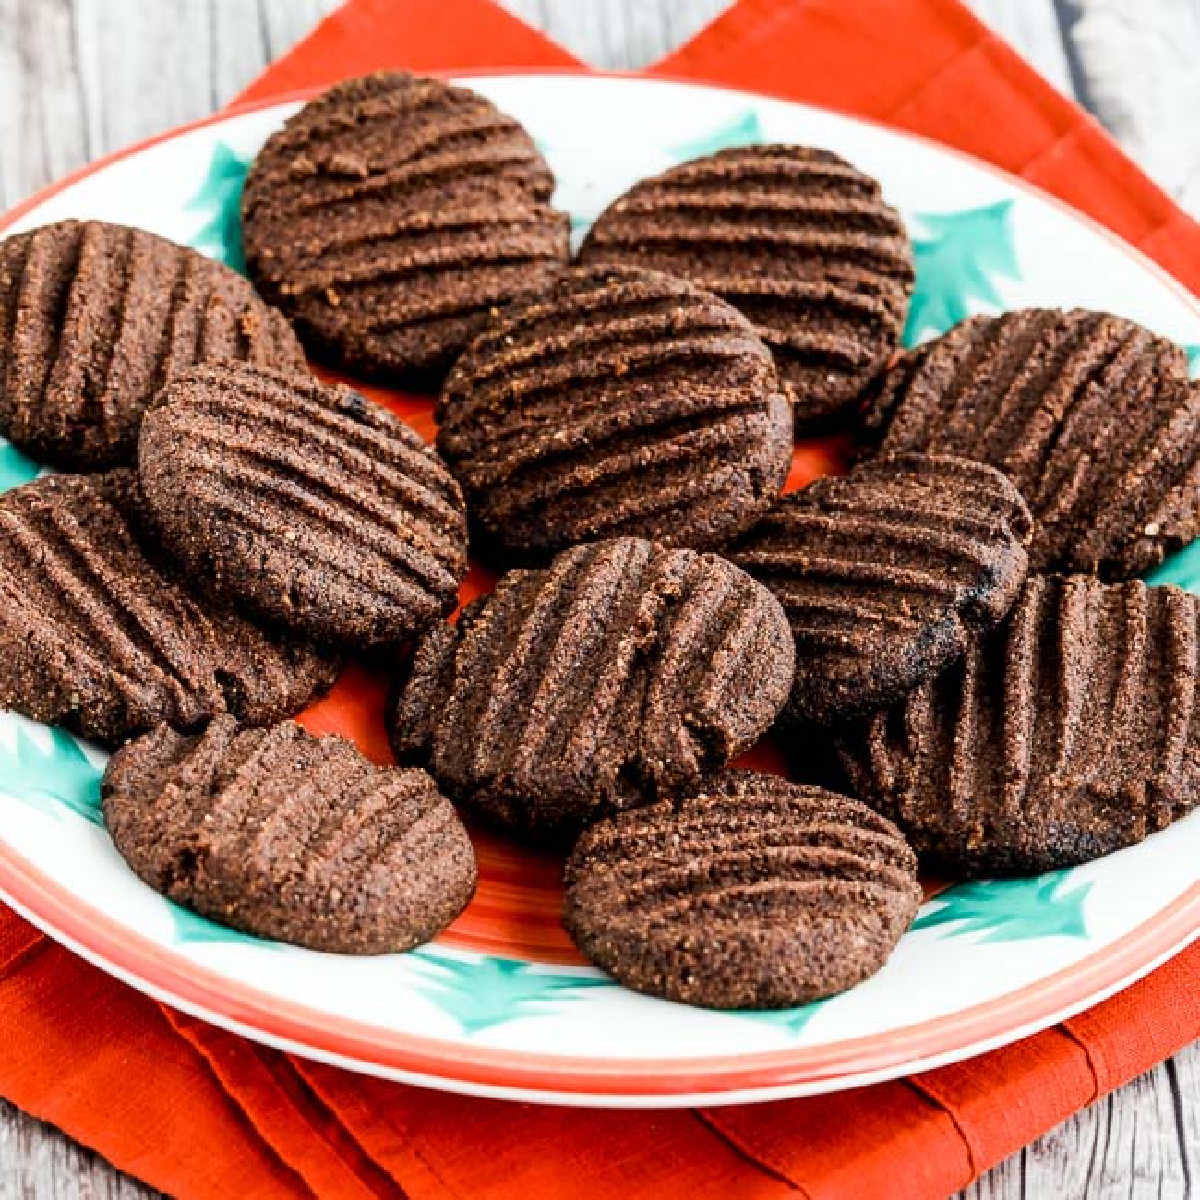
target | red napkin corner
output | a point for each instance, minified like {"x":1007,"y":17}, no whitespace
{"x":198,"y":1112}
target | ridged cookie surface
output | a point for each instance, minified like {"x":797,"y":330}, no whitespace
{"x":1070,"y":733}
{"x":797,"y":239}
{"x":95,"y":318}
{"x":886,"y":573}
{"x":620,"y":402}
{"x":753,"y":893}
{"x":623,"y":672}
{"x":1090,"y":416}
{"x":96,"y":636}
{"x":310,"y":505}
{"x":288,"y":836}
{"x":391,"y":214}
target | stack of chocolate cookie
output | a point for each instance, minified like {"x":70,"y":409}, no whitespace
{"x":949,"y":640}
{"x":243,"y":529}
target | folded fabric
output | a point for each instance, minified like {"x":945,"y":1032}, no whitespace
{"x":199,"y":1112}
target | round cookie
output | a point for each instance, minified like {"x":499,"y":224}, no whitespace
{"x":391,"y":215}
{"x":309,"y":505}
{"x":623,"y":672}
{"x":288,"y":836}
{"x":1090,"y":415}
{"x":94,"y":318}
{"x":797,"y":239}
{"x":620,"y":402}
{"x":1070,"y":733}
{"x":97,"y":636}
{"x":753,"y":893}
{"x":886,"y":573}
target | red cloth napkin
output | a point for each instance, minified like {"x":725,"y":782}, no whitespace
{"x":201,"y":1113}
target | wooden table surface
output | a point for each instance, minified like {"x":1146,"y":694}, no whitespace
{"x":79,"y":78}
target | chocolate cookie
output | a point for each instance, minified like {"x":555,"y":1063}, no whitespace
{"x":620,"y":402}
{"x":94,"y":635}
{"x":753,"y":893}
{"x":1070,"y":733}
{"x":310,"y":505}
{"x":623,"y":672}
{"x":391,"y":215}
{"x":94,"y":318}
{"x":288,"y":836}
{"x":797,"y":239}
{"x":1090,"y":416}
{"x":885,"y":573}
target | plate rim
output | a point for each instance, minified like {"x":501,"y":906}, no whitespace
{"x":496,"y":1071}
{"x":489,"y":1070}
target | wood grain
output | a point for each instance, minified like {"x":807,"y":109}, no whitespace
{"x":39,"y":1163}
{"x":618,"y":34}
{"x":1138,"y":71}
{"x":79,"y":78}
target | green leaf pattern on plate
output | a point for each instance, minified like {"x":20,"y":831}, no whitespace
{"x":743,"y":130}
{"x":220,"y":198}
{"x":15,"y":468}
{"x":191,"y":927}
{"x":486,"y":991}
{"x":1011,"y":910}
{"x":791,"y":1020}
{"x":52,"y":767}
{"x":957,"y":260}
{"x":1182,"y":569}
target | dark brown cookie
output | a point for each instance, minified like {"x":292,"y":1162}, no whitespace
{"x":95,"y":636}
{"x":310,"y":505}
{"x":288,"y":836}
{"x":885,"y":573}
{"x":95,"y":318}
{"x":798,"y":240}
{"x":1090,"y":416}
{"x":621,"y":402}
{"x":753,"y":893}
{"x":623,"y":672}
{"x":390,"y":215}
{"x":1070,"y":733}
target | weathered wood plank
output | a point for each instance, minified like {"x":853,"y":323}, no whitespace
{"x":618,"y":34}
{"x":282,"y":23}
{"x":43,"y":113}
{"x":39,"y":1163}
{"x":1137,"y":66}
{"x":1125,"y":1145}
{"x":1183,"y":1075}
{"x":80,"y":78}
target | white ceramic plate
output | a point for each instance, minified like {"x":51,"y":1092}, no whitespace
{"x":500,"y":1005}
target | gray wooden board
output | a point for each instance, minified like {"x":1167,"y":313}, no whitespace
{"x":79,"y":78}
